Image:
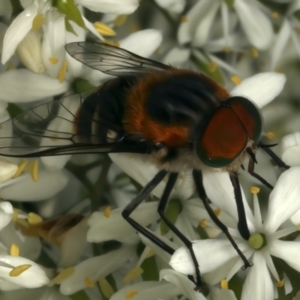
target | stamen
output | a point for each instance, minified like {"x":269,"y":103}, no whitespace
{"x":254,"y":190}
{"x":64,"y":274}
{"x":23,"y":222}
{"x":38,"y":21}
{"x":134,"y":273}
{"x":217,"y":211}
{"x":298,"y":227}
{"x":280,"y":283}
{"x":104,"y":29}
{"x":62,"y":72}
{"x":150,"y":254}
{"x":34,"y":170}
{"x":227,"y":49}
{"x":19,"y":270}
{"x":14,"y":250}
{"x":53,"y":60}
{"x":120,"y":20}
{"x":131,"y":294}
{"x":275,"y":15}
{"x":254,"y":52}
{"x":107,"y":212}
{"x":183,"y":19}
{"x":21,"y":168}
{"x":89,"y":282}
{"x":16,"y":215}
{"x":236,"y":79}
{"x":34,"y":218}
{"x":224,"y":284}
{"x":105,"y":287}
{"x":257,"y":240}
{"x":10,"y":66}
{"x":213,"y":66}
{"x":203,"y":223}
{"x":271,"y":135}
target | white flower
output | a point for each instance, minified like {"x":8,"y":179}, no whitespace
{"x":290,"y":149}
{"x":197,"y":25}
{"x":263,"y":243}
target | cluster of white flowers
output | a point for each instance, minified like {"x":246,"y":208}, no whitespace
{"x":62,"y":235}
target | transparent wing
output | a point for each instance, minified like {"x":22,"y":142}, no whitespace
{"x":112,"y":60}
{"x":52,"y":129}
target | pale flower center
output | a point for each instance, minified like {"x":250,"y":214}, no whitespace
{"x":257,"y":240}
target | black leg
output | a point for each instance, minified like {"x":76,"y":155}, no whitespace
{"x":198,"y":179}
{"x":136,"y":202}
{"x":161,"y":210}
{"x":242,"y":223}
{"x":257,"y":176}
{"x":277,"y":159}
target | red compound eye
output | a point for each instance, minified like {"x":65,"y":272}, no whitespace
{"x":226,"y":135}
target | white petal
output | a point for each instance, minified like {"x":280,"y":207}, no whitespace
{"x":25,"y":189}
{"x":210,"y":254}
{"x":29,"y":52}
{"x":259,"y":28}
{"x":280,"y":43}
{"x":117,"y":227}
{"x":33,"y":277}
{"x":287,"y":251}
{"x":116,"y":7}
{"x":95,"y":267}
{"x":284,"y":200}
{"x":23,"y":86}
{"x":185,"y":286}
{"x":143,"y":42}
{"x":30,"y":247}
{"x":290,"y":149}
{"x":174,"y":6}
{"x":6,"y":214}
{"x":177,"y":56}
{"x":147,"y":290}
{"x":261,"y":88}
{"x":258,"y":284}
{"x":222,"y":294}
{"x":17,"y":31}
{"x":7,"y":170}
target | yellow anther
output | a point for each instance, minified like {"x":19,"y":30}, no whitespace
{"x":120,"y":20}
{"x":62,"y":72}
{"x":53,"y":60}
{"x":21,"y":168}
{"x":104,"y":29}
{"x":134,"y":273}
{"x":38,"y":21}
{"x":254,"y":52}
{"x":63,"y":275}
{"x":203,"y":223}
{"x":16,"y":215}
{"x":183,"y":19}
{"x":89,"y":282}
{"x":224,"y":284}
{"x":217,"y":211}
{"x":275,"y":15}
{"x":10,"y":66}
{"x":14,"y":250}
{"x":213,"y":66}
{"x":105,"y":287}
{"x":298,"y":227}
{"x":19,"y":270}
{"x":227,"y":49}
{"x":107,"y":212}
{"x":150,"y":254}
{"x":236,"y":79}
{"x":271,"y":135}
{"x":34,"y":218}
{"x":131,"y":294}
{"x":254,"y":190}
{"x":34,"y":170}
{"x":280,"y":283}
{"x":116,"y":43}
